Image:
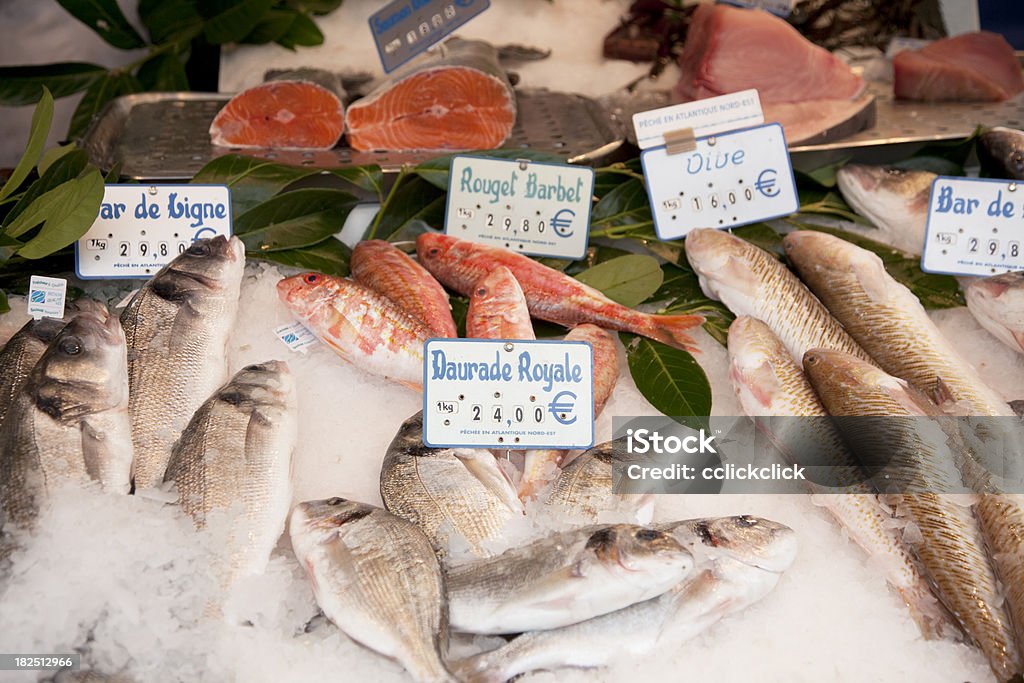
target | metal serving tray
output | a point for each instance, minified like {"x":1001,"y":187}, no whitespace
{"x":165,"y":136}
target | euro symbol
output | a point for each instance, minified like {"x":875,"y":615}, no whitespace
{"x":559,"y":410}
{"x":765,"y":183}
{"x":561,"y":225}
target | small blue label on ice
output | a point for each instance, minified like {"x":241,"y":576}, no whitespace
{"x":405,"y":28}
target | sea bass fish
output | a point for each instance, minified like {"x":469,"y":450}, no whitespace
{"x":540,"y":467}
{"x":894,"y":199}
{"x":177,"y":328}
{"x":951,"y":545}
{"x":750,"y":281}
{"x":446,"y":491}
{"x":387,"y":270}
{"x":768,"y":382}
{"x":498,"y":309}
{"x":886,"y":319}
{"x":583,"y":488}
{"x":564,"y":579}
{"x":363,"y":327}
{"x":739,"y":560}
{"x":69,"y":422}
{"x":550,"y":295}
{"x":20,"y":354}
{"x":376,"y":577}
{"x":997,"y":303}
{"x":234,"y":458}
{"x":1001,"y":153}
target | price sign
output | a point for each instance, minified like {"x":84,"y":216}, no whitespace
{"x":975,"y":227}
{"x":731,"y":179}
{"x":405,"y":28}
{"x":142,"y":228}
{"x":492,"y":393}
{"x":533,"y":208}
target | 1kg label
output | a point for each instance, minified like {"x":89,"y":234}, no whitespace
{"x":405,"y":28}
{"x":529,"y":207}
{"x":140,"y":228}
{"x":729,"y":180}
{"x":513,"y":394}
{"x":975,"y":227}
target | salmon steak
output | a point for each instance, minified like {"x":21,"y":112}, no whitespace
{"x":972,"y":67}
{"x":280,"y":115}
{"x":459,"y":99}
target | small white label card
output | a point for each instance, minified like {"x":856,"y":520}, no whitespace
{"x":296,"y":336}
{"x":706,"y":117}
{"x":493,"y":393}
{"x":46,"y":296}
{"x":975,"y":227}
{"x":729,"y":180}
{"x":142,"y":228}
{"x":530,"y":207}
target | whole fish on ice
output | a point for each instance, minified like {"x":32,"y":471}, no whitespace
{"x":997,"y":303}
{"x":177,"y":327}
{"x":360,"y":325}
{"x":376,"y":577}
{"x":564,"y":579}
{"x":583,"y":488}
{"x":550,"y":294}
{"x":894,"y":199}
{"x":20,"y":354}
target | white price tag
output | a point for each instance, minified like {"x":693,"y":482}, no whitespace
{"x":975,"y":227}
{"x":729,"y":180}
{"x":526,"y":206}
{"x":142,"y":228}
{"x":706,"y":117}
{"x":492,"y":393}
{"x":46,"y":296}
{"x":296,"y":336}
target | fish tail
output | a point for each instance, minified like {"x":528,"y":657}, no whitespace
{"x":672,"y":330}
{"x":539,"y":468}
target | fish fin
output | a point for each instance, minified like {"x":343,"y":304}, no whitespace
{"x":672,"y":330}
{"x":485,"y":469}
{"x":761,"y":382}
{"x":539,"y":469}
{"x":1017,"y":407}
{"x":1019,"y":338}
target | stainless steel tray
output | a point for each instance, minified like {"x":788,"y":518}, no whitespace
{"x":899,"y":122}
{"x":164,"y":136}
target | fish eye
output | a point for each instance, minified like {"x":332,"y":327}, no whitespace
{"x":312,"y":278}
{"x":434,"y":251}
{"x":70,"y":346}
{"x":481,"y":292}
{"x":810,"y":360}
{"x":647,"y":535}
{"x":705,"y":534}
{"x":1017,"y":160}
{"x":335,"y":501}
{"x":746,"y":521}
{"x":199,"y":249}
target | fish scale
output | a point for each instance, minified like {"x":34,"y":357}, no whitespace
{"x":20,"y":354}
{"x":750,"y":281}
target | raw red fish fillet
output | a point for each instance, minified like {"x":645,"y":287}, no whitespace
{"x":461,"y":100}
{"x":730,"y":49}
{"x":973,"y":67}
{"x":280,"y":115}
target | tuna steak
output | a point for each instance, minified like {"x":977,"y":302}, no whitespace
{"x":458,"y":99}
{"x":973,"y":67}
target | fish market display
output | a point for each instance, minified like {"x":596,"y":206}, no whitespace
{"x":69,"y":421}
{"x":360,"y":325}
{"x":237,"y":453}
{"x":887,"y":320}
{"x":1001,"y":152}
{"x":949,"y":540}
{"x":564,"y":579}
{"x":387,"y":270}
{"x":296,"y":110}
{"x":750,"y":281}
{"x":376,"y":577}
{"x":177,"y":328}
{"x":730,"y":49}
{"x":20,"y":354}
{"x":455,"y":99}
{"x":895,"y":200}
{"x":583,"y":488}
{"x":997,"y":303}
{"x":445,"y":491}
{"x":739,"y":560}
{"x":541,"y":466}
{"x":497,"y":308}
{"x":550,"y":295}
{"x":971,"y":67}
{"x":768,"y":382}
